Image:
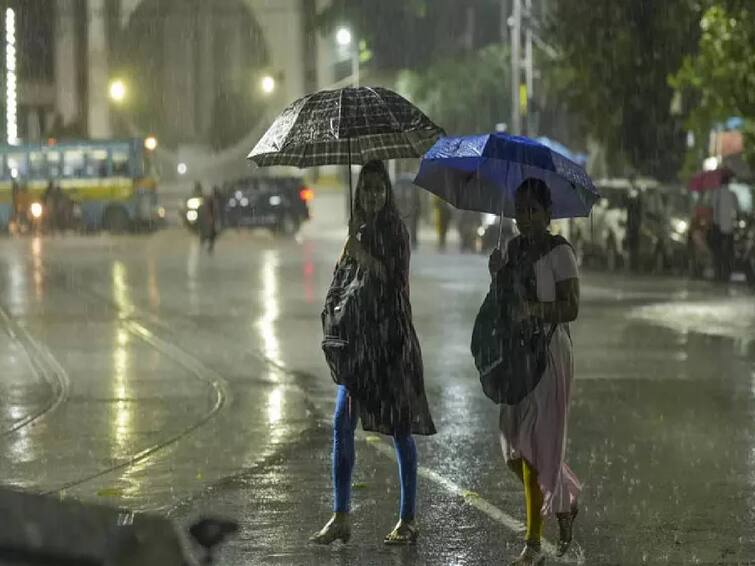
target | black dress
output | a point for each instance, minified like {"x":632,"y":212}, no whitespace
{"x":395,"y":359}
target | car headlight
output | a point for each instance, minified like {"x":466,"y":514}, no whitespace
{"x":742,"y":224}
{"x":680,"y":226}
{"x":489,"y":219}
{"x":193,"y":203}
{"x":36,"y":210}
{"x":191,"y":215}
{"x":161,"y":212}
{"x":275,"y":200}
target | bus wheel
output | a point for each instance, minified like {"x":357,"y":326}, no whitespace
{"x":116,"y":220}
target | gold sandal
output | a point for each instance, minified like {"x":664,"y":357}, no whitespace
{"x":404,"y":533}
{"x":531,"y":556}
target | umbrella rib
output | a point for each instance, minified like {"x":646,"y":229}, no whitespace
{"x":396,"y":123}
{"x":298,"y":115}
{"x":340,"y":110}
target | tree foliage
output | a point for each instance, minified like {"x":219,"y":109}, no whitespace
{"x":413,"y":34}
{"x":719,"y":79}
{"x":614,"y":60}
{"x":465,"y":94}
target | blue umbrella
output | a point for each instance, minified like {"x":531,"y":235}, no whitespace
{"x":482,"y":173}
{"x":578,"y":158}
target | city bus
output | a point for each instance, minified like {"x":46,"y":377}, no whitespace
{"x":111,"y":182}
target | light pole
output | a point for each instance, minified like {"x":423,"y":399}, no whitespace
{"x":345,"y":40}
{"x":11,"y":78}
{"x":516,"y":65}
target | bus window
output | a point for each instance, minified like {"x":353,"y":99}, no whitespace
{"x":37,"y":165}
{"x":73,"y":163}
{"x":120,"y":162}
{"x":53,"y":164}
{"x":18,"y":165}
{"x":97,"y":163}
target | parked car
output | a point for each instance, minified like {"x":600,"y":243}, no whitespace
{"x":664,"y":224}
{"x":280,"y":204}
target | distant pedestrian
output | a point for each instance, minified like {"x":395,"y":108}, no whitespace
{"x":388,"y":394}
{"x":208,"y":220}
{"x":725,"y":216}
{"x":467,"y":223}
{"x":197,"y":191}
{"x":408,"y":202}
{"x":51,"y":201}
{"x":533,"y":432}
{"x":634,"y":227}
{"x":443,"y":216}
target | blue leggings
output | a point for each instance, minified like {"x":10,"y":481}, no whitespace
{"x":344,"y":425}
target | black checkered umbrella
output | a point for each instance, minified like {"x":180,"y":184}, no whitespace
{"x":350,"y":125}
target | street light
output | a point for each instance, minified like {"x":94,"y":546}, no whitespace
{"x":117,"y":90}
{"x":343,"y":37}
{"x":345,"y":40}
{"x":268,"y":84}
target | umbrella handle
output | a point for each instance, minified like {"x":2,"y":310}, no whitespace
{"x":351,"y":204}
{"x":500,"y":230}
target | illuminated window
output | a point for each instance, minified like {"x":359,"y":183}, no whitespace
{"x":73,"y":163}
{"x":97,"y":163}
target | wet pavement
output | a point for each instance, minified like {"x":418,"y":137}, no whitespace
{"x":142,"y":372}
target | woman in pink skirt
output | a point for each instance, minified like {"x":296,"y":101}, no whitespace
{"x":533,"y":432}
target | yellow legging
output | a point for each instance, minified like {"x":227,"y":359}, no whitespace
{"x":533,"y":497}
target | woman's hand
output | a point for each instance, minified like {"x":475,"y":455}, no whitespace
{"x":534,"y":309}
{"x":355,"y":249}
{"x":495,"y":262}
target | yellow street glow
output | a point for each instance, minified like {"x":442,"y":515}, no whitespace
{"x":117,"y":90}
{"x":268,"y":84}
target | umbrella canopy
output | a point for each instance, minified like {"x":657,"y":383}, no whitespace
{"x":708,"y":180}
{"x":482,"y":173}
{"x":578,"y":158}
{"x":345,"y":126}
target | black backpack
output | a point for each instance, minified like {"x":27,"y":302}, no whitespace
{"x":510,"y":355}
{"x":342,"y":326}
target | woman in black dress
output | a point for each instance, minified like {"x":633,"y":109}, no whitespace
{"x":378,"y":241}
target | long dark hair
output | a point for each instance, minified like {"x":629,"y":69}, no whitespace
{"x":389,"y":212}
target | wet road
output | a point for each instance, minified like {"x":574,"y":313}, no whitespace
{"x":142,"y":372}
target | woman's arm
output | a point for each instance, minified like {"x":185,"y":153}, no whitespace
{"x":566,"y":306}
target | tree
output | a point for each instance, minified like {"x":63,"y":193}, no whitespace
{"x":719,"y":80}
{"x":413,"y":34}
{"x":465,"y":94}
{"x":614,"y":60}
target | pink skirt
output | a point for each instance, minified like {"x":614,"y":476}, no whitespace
{"x":535,"y":429}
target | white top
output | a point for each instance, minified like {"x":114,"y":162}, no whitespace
{"x":559,"y":264}
{"x":725,"y":208}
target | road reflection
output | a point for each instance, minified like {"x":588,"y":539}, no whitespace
{"x":36,"y":257}
{"x":192,"y":269}
{"x":269,"y":299}
{"x":122,"y":406}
